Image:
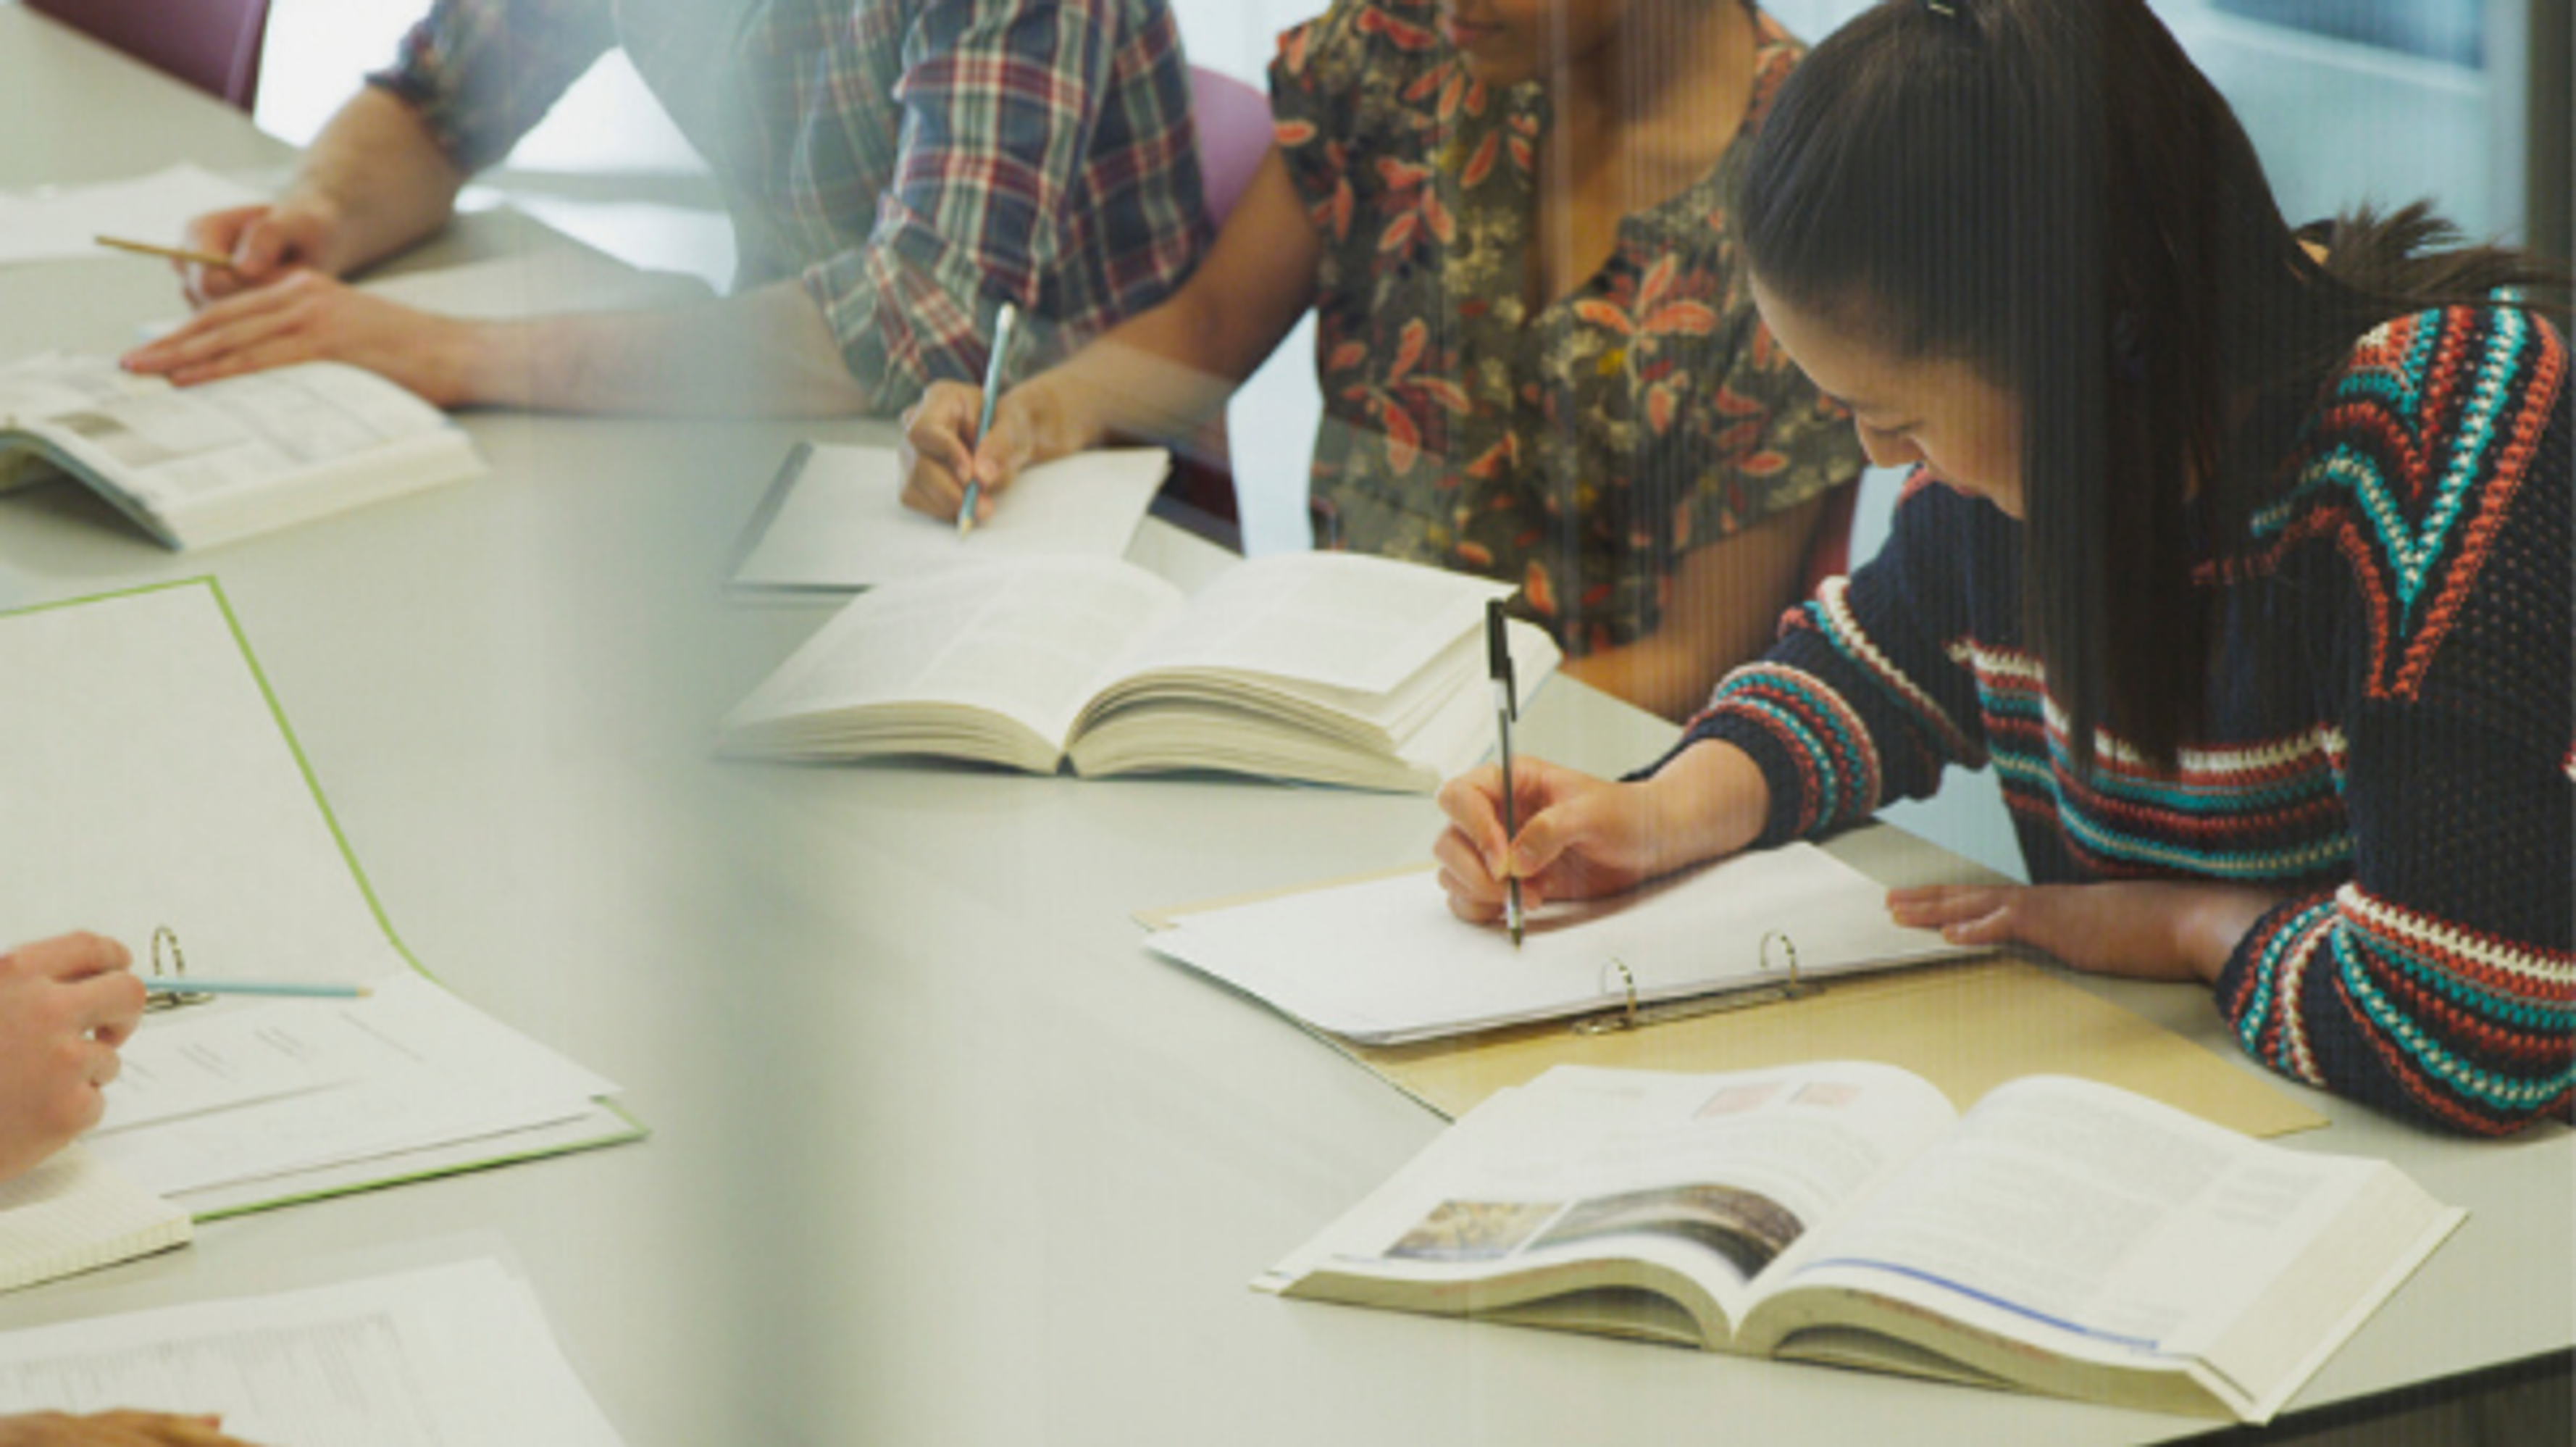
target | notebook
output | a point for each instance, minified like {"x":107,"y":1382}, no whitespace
{"x":73,"y":1214}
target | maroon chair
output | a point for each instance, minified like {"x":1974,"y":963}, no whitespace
{"x":1234,"y":134}
{"x":211,"y":44}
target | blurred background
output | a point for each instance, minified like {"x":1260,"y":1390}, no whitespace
{"x":2464,"y":101}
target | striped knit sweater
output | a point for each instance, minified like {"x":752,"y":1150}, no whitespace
{"x":2414,"y":788}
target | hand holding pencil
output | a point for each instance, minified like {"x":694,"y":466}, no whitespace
{"x":963,"y":446}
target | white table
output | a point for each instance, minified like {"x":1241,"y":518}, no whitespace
{"x":940,"y":1155}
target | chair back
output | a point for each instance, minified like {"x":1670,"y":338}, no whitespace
{"x":1234,"y":133}
{"x":211,"y":44}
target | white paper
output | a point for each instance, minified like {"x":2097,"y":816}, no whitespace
{"x":56,"y":223}
{"x":1384,"y":960}
{"x":457,"y":1356}
{"x":411,"y":1066}
{"x":843,"y":523}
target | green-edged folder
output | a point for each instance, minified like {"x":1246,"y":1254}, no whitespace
{"x":151,"y":779}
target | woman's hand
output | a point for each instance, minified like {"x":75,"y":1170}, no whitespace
{"x":1582,"y":837}
{"x":264,"y":241}
{"x":66,"y":1004}
{"x":941,"y":452}
{"x":2145,"y":929}
{"x":114,"y":1429}
{"x":311,"y":317}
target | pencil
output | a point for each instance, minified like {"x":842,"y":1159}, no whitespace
{"x":180,"y":985}
{"x":992,"y":394}
{"x":174,"y":253}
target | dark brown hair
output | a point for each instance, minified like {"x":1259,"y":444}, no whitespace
{"x":2050,"y":191}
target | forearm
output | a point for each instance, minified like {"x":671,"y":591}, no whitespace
{"x":765,"y":353}
{"x":384,"y":180}
{"x":1705,"y":803}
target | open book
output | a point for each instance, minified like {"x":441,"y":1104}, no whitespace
{"x":1326,"y":667}
{"x":1383,"y":962}
{"x":2061,"y":1237}
{"x":207,"y":464}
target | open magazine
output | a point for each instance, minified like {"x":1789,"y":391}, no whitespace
{"x":2061,"y":1237}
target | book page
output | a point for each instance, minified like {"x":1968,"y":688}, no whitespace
{"x":455,"y":1356}
{"x":1027,"y":641}
{"x":1384,"y":960}
{"x":172,"y":447}
{"x":1342,"y":620}
{"x":63,"y":223}
{"x":73,"y":1214}
{"x":1713,"y":1176}
{"x":842,"y":523}
{"x":2095,"y":1223}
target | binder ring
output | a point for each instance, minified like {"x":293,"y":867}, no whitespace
{"x":1629,"y":1015}
{"x":165,"y":949}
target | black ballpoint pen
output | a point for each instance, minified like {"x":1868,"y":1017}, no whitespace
{"x":1498,"y":662}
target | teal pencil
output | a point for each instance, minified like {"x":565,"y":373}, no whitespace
{"x":256,"y":987}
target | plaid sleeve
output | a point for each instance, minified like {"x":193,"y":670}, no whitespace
{"x":481,"y":73}
{"x":1862,"y":701}
{"x":998,"y":186}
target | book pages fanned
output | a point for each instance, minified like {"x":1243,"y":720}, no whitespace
{"x":73,"y":1214}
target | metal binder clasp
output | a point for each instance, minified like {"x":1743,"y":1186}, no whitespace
{"x":1631,"y":1015}
{"x":170,"y":961}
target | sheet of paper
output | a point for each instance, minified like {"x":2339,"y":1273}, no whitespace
{"x":56,"y":223}
{"x":842,"y":524}
{"x":409,"y":1067}
{"x":454,"y":1356}
{"x":1383,"y":960}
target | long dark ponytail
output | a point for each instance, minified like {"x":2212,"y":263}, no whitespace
{"x":2052,"y":192}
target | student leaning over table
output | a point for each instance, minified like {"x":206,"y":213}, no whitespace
{"x":2292,"y":534}
{"x":66,"y":1004}
{"x":895,"y":170}
{"x":1537,"y":356}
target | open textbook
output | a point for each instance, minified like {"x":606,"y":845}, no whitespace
{"x":1382,"y":961}
{"x":446,"y":1356}
{"x":207,"y":464}
{"x":138,"y":743}
{"x":2060,"y":1237}
{"x":834,"y":521}
{"x":1326,"y":667}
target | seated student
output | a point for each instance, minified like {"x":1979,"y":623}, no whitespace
{"x":2246,"y":564}
{"x":895,"y":170}
{"x":66,"y":1004}
{"x":1538,"y":359}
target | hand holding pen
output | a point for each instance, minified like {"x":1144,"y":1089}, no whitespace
{"x":1507,"y":708}
{"x":963,"y":446}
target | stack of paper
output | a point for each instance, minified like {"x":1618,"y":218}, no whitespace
{"x":72,"y":1214}
{"x":137,"y":742}
{"x":454,"y":1356}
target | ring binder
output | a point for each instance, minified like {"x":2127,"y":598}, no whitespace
{"x":1632,"y":1016}
{"x":165,"y":943}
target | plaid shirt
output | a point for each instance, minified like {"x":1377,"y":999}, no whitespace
{"x":914,"y":163}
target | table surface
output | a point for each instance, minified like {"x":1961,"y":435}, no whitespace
{"x":939,"y":1154}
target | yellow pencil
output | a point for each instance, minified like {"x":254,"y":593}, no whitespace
{"x":175,"y":253}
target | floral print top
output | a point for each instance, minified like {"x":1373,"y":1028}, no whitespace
{"x":1580,"y":450}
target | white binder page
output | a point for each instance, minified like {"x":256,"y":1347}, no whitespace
{"x":1385,"y":961}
